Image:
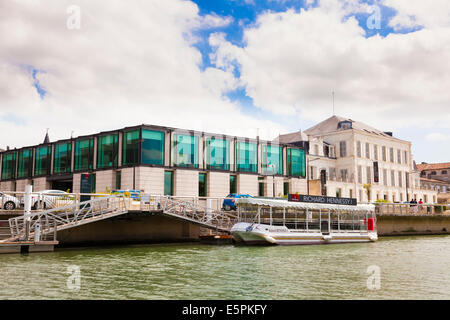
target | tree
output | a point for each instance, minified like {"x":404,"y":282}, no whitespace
{"x":368,"y":188}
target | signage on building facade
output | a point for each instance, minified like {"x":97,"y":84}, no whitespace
{"x":322,"y":199}
{"x":85,"y":186}
{"x":376,"y":177}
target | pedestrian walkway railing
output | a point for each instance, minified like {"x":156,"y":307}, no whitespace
{"x":41,"y":223}
{"x":411,"y":209}
{"x":192,"y":210}
{"x":14,"y":200}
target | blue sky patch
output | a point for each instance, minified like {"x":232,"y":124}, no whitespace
{"x":33,"y":72}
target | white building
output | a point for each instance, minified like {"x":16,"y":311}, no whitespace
{"x":361,"y":162}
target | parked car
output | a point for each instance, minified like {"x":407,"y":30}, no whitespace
{"x":50,"y":199}
{"x":8,"y":202}
{"x":229,"y":203}
{"x":134,"y":194}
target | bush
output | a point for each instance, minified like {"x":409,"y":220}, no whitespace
{"x":382,"y":201}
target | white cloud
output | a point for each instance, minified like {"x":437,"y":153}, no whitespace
{"x":214,"y":21}
{"x":292,"y":61}
{"x":415,"y":13}
{"x":437,"y":137}
{"x":130,"y":63}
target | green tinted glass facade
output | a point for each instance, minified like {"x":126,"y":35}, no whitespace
{"x":272,"y":159}
{"x":107,"y":151}
{"x":217,"y":154}
{"x":152,"y":147}
{"x":185,"y":151}
{"x":24,"y":163}
{"x":168,"y":183}
{"x":130,"y":150}
{"x":84,"y":154}
{"x":42,"y":158}
{"x":62,"y":157}
{"x":202,"y":187}
{"x":246,"y":157}
{"x":9,"y":166}
{"x":296,"y":162}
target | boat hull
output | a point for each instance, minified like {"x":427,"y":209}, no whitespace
{"x":260,"y":234}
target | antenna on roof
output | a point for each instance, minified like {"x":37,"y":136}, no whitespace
{"x":333,"y":101}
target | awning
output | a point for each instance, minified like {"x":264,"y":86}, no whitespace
{"x":302,"y":205}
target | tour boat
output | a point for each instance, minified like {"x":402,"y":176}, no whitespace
{"x":281,"y":222}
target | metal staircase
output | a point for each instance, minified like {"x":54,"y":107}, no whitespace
{"x":206,"y":217}
{"x":40,"y":224}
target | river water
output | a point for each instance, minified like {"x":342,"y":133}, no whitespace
{"x":391,"y":268}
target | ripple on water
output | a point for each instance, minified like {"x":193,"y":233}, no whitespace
{"x":411,"y":268}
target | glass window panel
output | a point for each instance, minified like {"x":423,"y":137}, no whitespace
{"x":168,"y":183}
{"x":62,"y":157}
{"x":246,"y":156}
{"x":272,"y":159}
{"x":118,"y":180}
{"x":42,"y":160}
{"x":9,"y":166}
{"x":286,"y":188}
{"x":130,"y":150}
{"x":233,"y":184}
{"x":185,"y":151}
{"x":202,"y":185}
{"x":153,"y":147}
{"x":296,"y":162}
{"x":217,"y":154}
{"x":84,"y":154}
{"x":25,"y":163}
{"x":107,"y":151}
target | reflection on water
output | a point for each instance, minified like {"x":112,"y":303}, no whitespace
{"x":411,"y":268}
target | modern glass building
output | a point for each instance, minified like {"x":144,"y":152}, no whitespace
{"x":158,"y":160}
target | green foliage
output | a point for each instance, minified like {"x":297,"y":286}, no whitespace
{"x":382,"y":201}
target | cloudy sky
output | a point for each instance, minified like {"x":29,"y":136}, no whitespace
{"x":225,"y":66}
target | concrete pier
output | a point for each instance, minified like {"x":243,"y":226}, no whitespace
{"x":27,"y":246}
{"x":132,"y":227}
{"x":396,"y":225}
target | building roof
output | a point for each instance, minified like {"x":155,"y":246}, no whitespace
{"x":292,"y":137}
{"x":332,"y":125}
{"x":433,"y":166}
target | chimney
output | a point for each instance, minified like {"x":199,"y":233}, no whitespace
{"x":7,"y":148}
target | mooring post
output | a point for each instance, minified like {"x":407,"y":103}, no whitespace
{"x":27,"y":210}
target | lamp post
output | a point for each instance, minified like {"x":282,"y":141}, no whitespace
{"x":273,"y":179}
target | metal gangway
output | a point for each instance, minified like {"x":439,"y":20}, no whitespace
{"x":193,"y":212}
{"x":38,"y":225}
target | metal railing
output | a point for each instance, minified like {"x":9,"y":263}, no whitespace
{"x":42,"y":223}
{"x":191,"y":209}
{"x":411,"y":209}
{"x":43,"y":201}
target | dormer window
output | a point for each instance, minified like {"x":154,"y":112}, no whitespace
{"x":345,"y":125}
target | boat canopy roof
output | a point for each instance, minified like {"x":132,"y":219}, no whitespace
{"x":302,"y":205}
